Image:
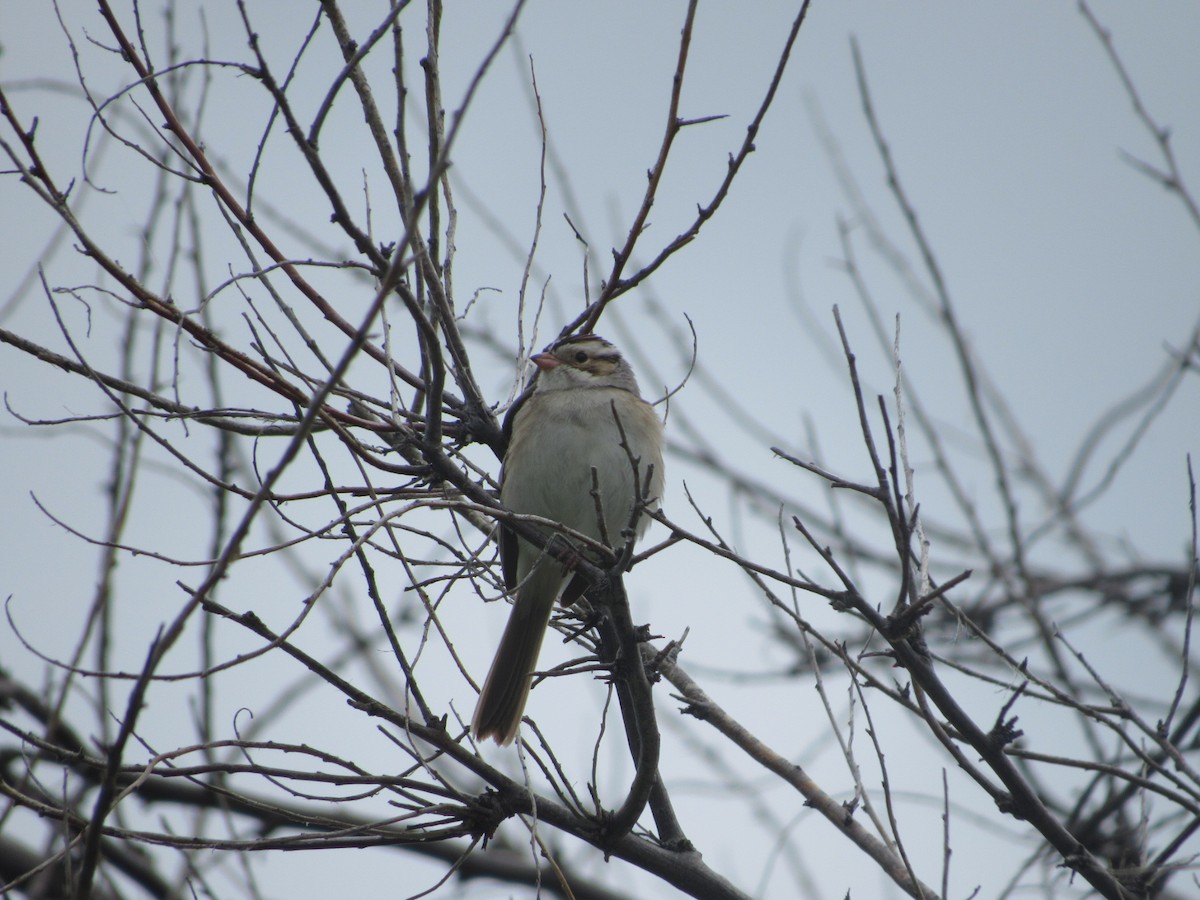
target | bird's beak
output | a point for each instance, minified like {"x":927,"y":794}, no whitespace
{"x":546,"y":361}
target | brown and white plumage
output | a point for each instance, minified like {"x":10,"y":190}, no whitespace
{"x":559,"y":433}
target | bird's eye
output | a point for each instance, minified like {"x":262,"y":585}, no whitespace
{"x":580,"y":356}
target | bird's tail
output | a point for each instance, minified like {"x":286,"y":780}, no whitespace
{"x":506,"y":688}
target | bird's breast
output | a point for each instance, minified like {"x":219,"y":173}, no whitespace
{"x":566,"y":451}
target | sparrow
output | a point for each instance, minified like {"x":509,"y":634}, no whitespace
{"x":560,"y":432}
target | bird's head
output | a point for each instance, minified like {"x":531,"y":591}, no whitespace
{"x":583,"y":360}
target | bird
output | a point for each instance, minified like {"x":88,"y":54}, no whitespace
{"x":561,"y":430}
